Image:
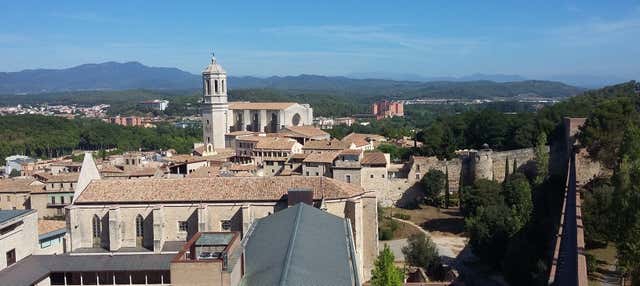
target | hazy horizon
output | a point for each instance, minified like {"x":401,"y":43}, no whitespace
{"x":552,"y":40}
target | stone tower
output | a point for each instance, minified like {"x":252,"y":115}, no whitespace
{"x":483,"y":165}
{"x":214,"y":107}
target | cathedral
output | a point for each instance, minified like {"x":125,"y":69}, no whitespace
{"x":220,"y":117}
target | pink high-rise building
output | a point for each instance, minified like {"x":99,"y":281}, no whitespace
{"x":384,"y":109}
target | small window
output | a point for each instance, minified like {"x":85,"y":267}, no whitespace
{"x":347,"y":178}
{"x":418,"y":176}
{"x":383,"y":176}
{"x":216,"y":85}
{"x":371,"y":176}
{"x":183,"y":226}
{"x":62,"y":200}
{"x":417,"y":167}
{"x":225,"y":224}
{"x":307,"y":173}
{"x":317,"y":174}
{"x":53,"y":200}
{"x":11,"y":257}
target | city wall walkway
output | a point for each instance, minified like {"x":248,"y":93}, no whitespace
{"x":569,"y":265}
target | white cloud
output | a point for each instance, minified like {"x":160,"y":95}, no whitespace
{"x":86,"y":16}
{"x":380,"y":35}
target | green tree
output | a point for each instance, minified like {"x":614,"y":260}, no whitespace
{"x":433,"y":183}
{"x":490,"y":231}
{"x":385,"y":273}
{"x":447,"y":195}
{"x":14,"y":173}
{"x":506,"y":168}
{"x":483,"y":193}
{"x":597,"y":211}
{"x":421,"y":252}
{"x":542,"y":158}
{"x":517,"y":196}
{"x":629,"y":252}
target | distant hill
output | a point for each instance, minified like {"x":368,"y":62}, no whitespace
{"x":415,"y":77}
{"x":133,"y":75}
{"x":377,"y":88}
{"x":104,"y":76}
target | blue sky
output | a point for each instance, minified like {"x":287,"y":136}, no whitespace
{"x":536,"y":39}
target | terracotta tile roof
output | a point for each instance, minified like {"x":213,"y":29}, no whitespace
{"x":299,"y":156}
{"x":48,"y":225}
{"x":205,"y":172}
{"x":238,"y":167}
{"x":67,"y":163}
{"x":219,"y":189}
{"x":60,"y":178}
{"x":243,"y":174}
{"x":260,"y":105}
{"x":374,"y":158}
{"x":324,"y":157}
{"x":305,"y":131}
{"x":240,"y":132}
{"x":351,"y":152}
{"x":131,"y":171}
{"x":185,"y":159}
{"x":251,"y":138}
{"x":358,"y":138}
{"x":276,"y":159}
{"x":110,"y":169}
{"x":332,"y":144}
{"x":18,"y":185}
{"x":275,"y":143}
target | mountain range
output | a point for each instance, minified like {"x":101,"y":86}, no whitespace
{"x":134,"y":75}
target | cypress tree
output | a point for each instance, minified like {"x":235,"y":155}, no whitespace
{"x":446,"y":187}
{"x":506,"y":168}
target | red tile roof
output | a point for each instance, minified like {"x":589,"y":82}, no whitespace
{"x":219,"y":189}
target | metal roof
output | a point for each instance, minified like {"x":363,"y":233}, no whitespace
{"x":7,"y":215}
{"x":214,"y":239}
{"x":300,"y":245}
{"x":36,"y":267}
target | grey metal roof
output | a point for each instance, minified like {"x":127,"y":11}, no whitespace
{"x":300,"y":245}
{"x":214,"y":239}
{"x":7,"y":215}
{"x":35,"y":267}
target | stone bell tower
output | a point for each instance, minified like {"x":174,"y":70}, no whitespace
{"x":214,"y":107}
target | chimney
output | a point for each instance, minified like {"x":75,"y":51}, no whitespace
{"x":295,"y":196}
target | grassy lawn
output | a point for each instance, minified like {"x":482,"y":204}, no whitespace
{"x":401,"y":229}
{"x":606,"y":259}
{"x":444,"y":222}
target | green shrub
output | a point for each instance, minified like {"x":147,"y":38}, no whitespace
{"x":402,"y":216}
{"x":592,"y":263}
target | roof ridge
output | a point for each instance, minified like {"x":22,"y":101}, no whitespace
{"x":292,"y":241}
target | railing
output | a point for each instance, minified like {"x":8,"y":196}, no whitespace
{"x":569,"y":264}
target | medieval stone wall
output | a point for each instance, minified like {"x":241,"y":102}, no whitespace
{"x":471,"y":165}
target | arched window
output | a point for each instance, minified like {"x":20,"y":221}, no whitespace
{"x":215,"y":84}
{"x":222,"y":85}
{"x":96,"y":230}
{"x":207,"y":87}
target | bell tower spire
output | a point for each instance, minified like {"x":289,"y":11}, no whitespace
{"x":214,"y":107}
